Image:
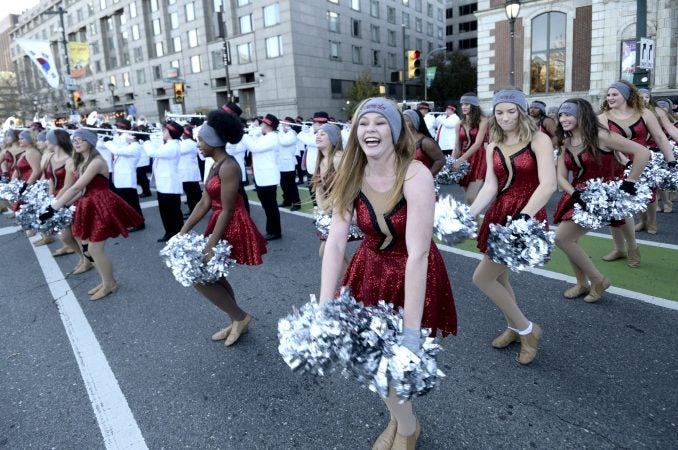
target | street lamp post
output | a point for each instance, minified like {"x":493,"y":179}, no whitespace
{"x":512,"y":9}
{"x":439,"y":49}
{"x":111,"y":87}
{"x":61,"y":11}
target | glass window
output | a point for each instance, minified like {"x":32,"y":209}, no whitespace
{"x":195,"y":64}
{"x":355,"y":5}
{"x":335,"y":50}
{"x":357,"y":53}
{"x":94,"y":48}
{"x":429,"y":10}
{"x":391,"y":60}
{"x":391,"y":38}
{"x":547,"y":64}
{"x":390,"y":14}
{"x":157,"y":72}
{"x":406,"y":20}
{"x":97,"y":66}
{"x":406,"y":2}
{"x":374,"y":8}
{"x":174,"y":20}
{"x":336,"y":2}
{"x":271,"y":15}
{"x":154,"y":5}
{"x":159,"y":50}
{"x":92,"y":29}
{"x":217,"y":59}
{"x":176,"y":44}
{"x":125,"y":79}
{"x":171,"y":2}
{"x":375,"y":33}
{"x":429,"y":29}
{"x":274,"y":47}
{"x":157,"y":29}
{"x":135,"y":32}
{"x":376,"y":58}
{"x":190,"y":12}
{"x":333,"y":19}
{"x":102,"y":4}
{"x":243,"y":2}
{"x":245,"y":24}
{"x":417,"y":5}
{"x":355,"y":28}
{"x":335,"y":88}
{"x":141,"y":76}
{"x":244,"y":53}
{"x":174,"y":63}
{"x":192,"y":38}
{"x":132,"y":10}
{"x":138,"y":54}
{"x":417,"y":25}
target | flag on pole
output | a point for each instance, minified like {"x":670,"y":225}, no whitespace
{"x":41,"y":54}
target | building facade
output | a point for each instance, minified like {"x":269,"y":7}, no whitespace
{"x":574,"y":48}
{"x":288,"y":57}
{"x":461,"y":28}
{"x":7,"y":24}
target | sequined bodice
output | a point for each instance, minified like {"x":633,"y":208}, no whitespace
{"x":57,"y":176}
{"x":24,"y":168}
{"x":633,"y":128}
{"x":517,"y":172}
{"x":420,"y":155}
{"x":213,"y":188}
{"x":98,"y":183}
{"x":384,"y":230}
{"x":466,"y":140}
{"x":584,"y":165}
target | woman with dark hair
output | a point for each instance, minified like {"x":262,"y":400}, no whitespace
{"x":166,"y":174}
{"x":100,"y":214}
{"x":427,"y":149}
{"x":392,"y":197}
{"x":519,"y":181}
{"x":586,"y":152}
{"x":471,"y":135}
{"x":8,"y":158}
{"x":623,"y":112}
{"x":229,"y":219}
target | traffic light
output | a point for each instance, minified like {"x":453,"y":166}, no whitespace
{"x":413,"y":64}
{"x":77,"y":99}
{"x":179,"y":92}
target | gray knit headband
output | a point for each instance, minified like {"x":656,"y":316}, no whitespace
{"x":470,"y":100}
{"x":332,"y":131}
{"x":644,"y":91}
{"x":539,"y":105}
{"x":26,"y":136}
{"x":388,"y":111}
{"x":663,"y":104}
{"x":86,"y":135}
{"x":569,"y":108}
{"x":414,"y":118}
{"x":622,"y":88}
{"x":210,"y":136}
{"x":510,"y":96}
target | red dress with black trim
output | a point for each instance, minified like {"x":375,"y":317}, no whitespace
{"x":477,"y":160}
{"x":10,"y":162}
{"x":638,"y":132}
{"x":584,"y":166}
{"x":241,"y":232}
{"x":420,"y":155}
{"x":23,"y":167}
{"x":57,"y":176}
{"x":101,"y":214}
{"x":377,"y":270}
{"x":517,"y":179}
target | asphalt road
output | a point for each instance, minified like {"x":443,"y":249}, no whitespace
{"x":605,"y":376}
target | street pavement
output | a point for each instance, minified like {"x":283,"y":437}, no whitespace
{"x":138,"y":370}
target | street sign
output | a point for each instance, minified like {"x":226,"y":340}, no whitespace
{"x":430,"y":75}
{"x":646,"y":49}
{"x":70,"y":84}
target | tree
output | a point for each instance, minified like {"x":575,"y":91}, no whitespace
{"x":455,"y":75}
{"x":9,"y":96}
{"x":362,"y":88}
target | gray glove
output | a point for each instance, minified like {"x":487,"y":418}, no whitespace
{"x":411,"y":339}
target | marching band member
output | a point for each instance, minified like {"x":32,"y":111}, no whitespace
{"x":189,"y":170}
{"x":287,"y":139}
{"x":447,"y":129}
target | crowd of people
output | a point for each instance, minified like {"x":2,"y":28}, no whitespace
{"x":377,"y":172}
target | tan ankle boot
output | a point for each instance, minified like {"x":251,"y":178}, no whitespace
{"x":385,"y":439}
{"x":528,"y":345}
{"x":505,"y":339}
{"x":634,"y":258}
{"x":597,"y":290}
{"x":406,"y":442}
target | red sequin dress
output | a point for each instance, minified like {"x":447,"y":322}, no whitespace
{"x":517,"y":179}
{"x":241,"y":232}
{"x":584,"y":166}
{"x":10,"y":162}
{"x":58,"y":176}
{"x":23,"y":167}
{"x":477,"y":160}
{"x":377,"y":269}
{"x":101,"y":214}
{"x":420,"y":155}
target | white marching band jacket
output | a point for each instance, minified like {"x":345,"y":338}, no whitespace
{"x":126,"y":154}
{"x":165,"y":166}
{"x":447,"y":131}
{"x":307,"y":136}
{"x":287,"y":148}
{"x":264,"y":152}
{"x":189,"y":170}
{"x":238,"y":151}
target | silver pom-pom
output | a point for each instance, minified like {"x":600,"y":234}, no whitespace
{"x":653,"y":173}
{"x":670,"y":181}
{"x":34,"y":201}
{"x":364,"y":342}
{"x":62,"y":218}
{"x":323,"y":222}
{"x":605,"y":202}
{"x":453,"y":222}
{"x":449,"y":175}
{"x":10,"y":191}
{"x":184,"y":255}
{"x":520,"y":244}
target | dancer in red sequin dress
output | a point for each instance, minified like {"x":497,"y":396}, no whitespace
{"x":471,"y":140}
{"x":519,"y":181}
{"x":427,"y":149}
{"x":27,"y":168}
{"x":100,"y":214}
{"x":624,"y":113}
{"x":229,"y":219}
{"x":393,"y":198}
{"x":586,"y":152}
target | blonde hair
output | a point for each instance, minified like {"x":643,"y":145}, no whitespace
{"x":348,"y":180}
{"x":80,"y":163}
{"x":325,"y":178}
{"x":526,"y":128}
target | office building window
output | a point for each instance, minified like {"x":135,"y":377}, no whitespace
{"x":376,"y":58}
{"x":391,"y":60}
{"x":406,"y":20}
{"x":355,"y":5}
{"x":333,"y":21}
{"x":135,"y":32}
{"x":390,"y":14}
{"x":192,"y":38}
{"x":242,"y":2}
{"x":466,"y":44}
{"x":355,"y":28}
{"x":547,"y":65}
{"x":157,"y":72}
{"x":417,"y":5}
{"x":429,"y":10}
{"x":154,"y":5}
{"x":125,"y":79}
{"x":141,"y":76}
{"x":190,"y":12}
{"x":375,"y":33}
{"x":465,"y":10}
{"x":335,"y":88}
{"x":468,"y":26}
{"x":217,"y":59}
{"x":274,"y":47}
{"x":195,"y":64}
{"x":417,"y":25}
{"x":391,"y":34}
{"x":244,"y":53}
{"x":357,"y":54}
{"x":174,"y":20}
{"x":335,"y":51}
{"x":159,"y":50}
{"x":132,"y":10}
{"x":429,"y":29}
{"x":176,"y":44}
{"x":245,"y":24}
{"x":374,"y":8}
{"x":138,"y":54}
{"x":157,"y":28}
{"x":271,"y":15}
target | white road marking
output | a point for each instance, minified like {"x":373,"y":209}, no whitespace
{"x":116,"y":421}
